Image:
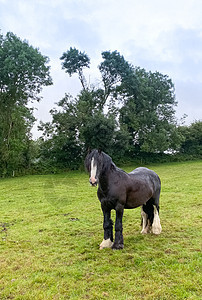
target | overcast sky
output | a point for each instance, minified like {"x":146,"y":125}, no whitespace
{"x":158,"y":35}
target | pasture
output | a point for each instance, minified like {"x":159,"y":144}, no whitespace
{"x":51,"y":228}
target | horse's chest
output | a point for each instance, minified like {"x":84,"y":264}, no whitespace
{"x":107,"y":199}
{"x":108,"y":203}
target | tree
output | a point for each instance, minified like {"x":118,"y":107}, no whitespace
{"x":73,"y":62}
{"x":192,"y":144}
{"x":132,"y":112}
{"x":15,"y":150}
{"x":114,"y":69}
{"x":145,"y":102}
{"x":78,"y":124}
{"x":23,"y":73}
{"x":149,"y":113}
{"x":60,"y":145}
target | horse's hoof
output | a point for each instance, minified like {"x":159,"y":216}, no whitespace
{"x":145,"y":231}
{"x":156,"y":231}
{"x":106,"y":244}
{"x":117,"y":246}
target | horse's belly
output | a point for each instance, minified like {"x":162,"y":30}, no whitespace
{"x":129,"y":206}
{"x":133,"y":204}
{"x":135,"y":199}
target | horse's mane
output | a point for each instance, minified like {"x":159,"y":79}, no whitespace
{"x":109,"y":164}
{"x":103,"y":160}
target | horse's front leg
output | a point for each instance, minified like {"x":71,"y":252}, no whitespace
{"x":118,"y":243}
{"x":108,"y":230}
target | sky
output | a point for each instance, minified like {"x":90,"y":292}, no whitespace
{"x":157,"y":35}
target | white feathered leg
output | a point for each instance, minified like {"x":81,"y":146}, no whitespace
{"x":145,"y":222}
{"x":156,"y":226}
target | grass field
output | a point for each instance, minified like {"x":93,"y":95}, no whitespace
{"x":51,"y":228}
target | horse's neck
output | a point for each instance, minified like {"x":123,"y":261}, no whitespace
{"x":105,"y":177}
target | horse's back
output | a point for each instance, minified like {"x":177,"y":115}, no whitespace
{"x":145,"y":173}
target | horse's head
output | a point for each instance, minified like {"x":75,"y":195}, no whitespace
{"x":95,"y":163}
{"x":92,"y":164}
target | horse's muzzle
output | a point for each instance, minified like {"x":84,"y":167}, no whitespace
{"x":93,"y":181}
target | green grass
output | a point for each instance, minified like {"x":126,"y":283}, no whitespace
{"x":51,"y":228}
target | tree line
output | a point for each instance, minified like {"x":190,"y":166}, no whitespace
{"x":130,"y":114}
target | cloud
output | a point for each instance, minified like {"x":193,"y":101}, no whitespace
{"x":189,"y":98}
{"x":178,"y":52}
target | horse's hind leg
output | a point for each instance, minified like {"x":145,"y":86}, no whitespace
{"x":146,"y":223}
{"x":156,"y":225}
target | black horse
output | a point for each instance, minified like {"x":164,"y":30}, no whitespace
{"x":118,"y":190}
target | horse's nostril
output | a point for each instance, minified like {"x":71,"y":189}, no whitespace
{"x":93,"y":181}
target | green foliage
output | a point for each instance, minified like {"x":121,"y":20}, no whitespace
{"x":59,"y":143}
{"x":148,"y":111}
{"x":114,"y":69}
{"x":74,"y":61}
{"x":147,"y":103}
{"x":15,"y":141}
{"x":131,"y":113}
{"x":192,"y":144}
{"x":79,"y":124}
{"x":23,"y":72}
{"x":98,"y":132}
{"x":51,"y":228}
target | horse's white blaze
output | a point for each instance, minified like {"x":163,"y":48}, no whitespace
{"x":93,"y":171}
{"x":156,"y":226}
{"x":106,"y":244}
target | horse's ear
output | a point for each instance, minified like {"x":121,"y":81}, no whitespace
{"x":89,"y":150}
{"x":99,"y":151}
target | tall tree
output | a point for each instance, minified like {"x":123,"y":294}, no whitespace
{"x":23,"y":73}
{"x":146,"y":103}
{"x":133,"y":111}
{"x":114,"y":68}
{"x":73,"y":61}
{"x":149,"y":112}
{"x":77,"y":124}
